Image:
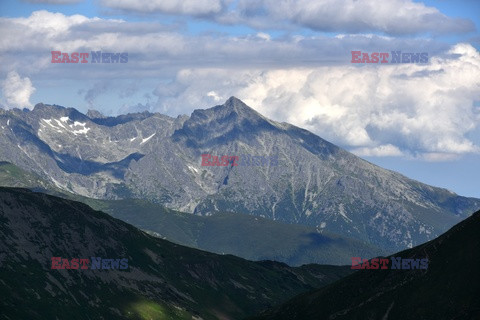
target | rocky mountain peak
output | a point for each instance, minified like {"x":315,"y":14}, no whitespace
{"x":46,"y":111}
{"x":95,"y":114}
{"x":233,"y":110}
{"x":240,"y":108}
{"x":231,"y":121}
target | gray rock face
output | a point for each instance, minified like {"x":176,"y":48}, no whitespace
{"x":159,"y":158}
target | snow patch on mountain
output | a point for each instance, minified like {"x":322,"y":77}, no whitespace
{"x":148,"y":138}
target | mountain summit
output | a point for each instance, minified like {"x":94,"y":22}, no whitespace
{"x":158,"y":158}
{"x":240,"y":108}
{"x":233,"y":120}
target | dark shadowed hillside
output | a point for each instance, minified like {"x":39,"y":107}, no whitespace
{"x":448,"y":289}
{"x":163,"y":280}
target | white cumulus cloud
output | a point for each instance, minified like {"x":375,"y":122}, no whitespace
{"x":17,"y":91}
{"x":380,"y":151}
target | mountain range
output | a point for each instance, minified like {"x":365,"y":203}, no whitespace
{"x":158,"y":158}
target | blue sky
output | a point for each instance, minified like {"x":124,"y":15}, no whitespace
{"x":289,"y":60}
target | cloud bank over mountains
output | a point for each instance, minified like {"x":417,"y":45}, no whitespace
{"x":424,"y":111}
{"x":374,"y":109}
